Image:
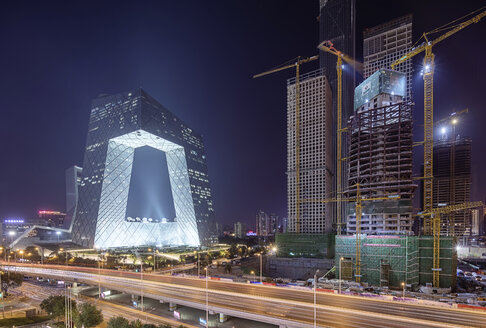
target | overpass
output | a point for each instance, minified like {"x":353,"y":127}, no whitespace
{"x":282,"y":306}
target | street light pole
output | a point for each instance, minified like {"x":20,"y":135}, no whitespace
{"x":340,"y":270}
{"x":207,"y":298}
{"x":261,"y":275}
{"x":315,"y":296}
{"x":99,"y":279}
{"x":403,"y":285}
{"x":141,"y":280}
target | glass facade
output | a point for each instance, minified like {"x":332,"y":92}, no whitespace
{"x":118,"y":125}
{"x":337,"y":20}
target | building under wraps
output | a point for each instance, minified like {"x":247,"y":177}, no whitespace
{"x":389,"y":260}
{"x":380,"y":155}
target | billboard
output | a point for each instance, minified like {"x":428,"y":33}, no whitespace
{"x":382,"y":81}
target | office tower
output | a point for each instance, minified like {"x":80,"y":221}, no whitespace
{"x":452,"y":183}
{"x":337,"y":23}
{"x":120,"y":124}
{"x":73,"y":180}
{"x":266,"y":225}
{"x":240,"y":230}
{"x":380,"y":154}
{"x":315,"y":154}
{"x":282,"y":227}
{"x":53,"y":219}
{"x":385,"y":43}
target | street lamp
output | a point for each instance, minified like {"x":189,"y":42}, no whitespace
{"x":253,"y":273}
{"x":340,"y":270}
{"x":403,"y":285}
{"x":207,"y":297}
{"x":315,"y":309}
{"x":141,"y":280}
{"x":21,"y":252}
{"x":261,"y":259}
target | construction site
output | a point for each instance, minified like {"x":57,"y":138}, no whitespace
{"x":390,"y":260}
{"x":373,"y":186}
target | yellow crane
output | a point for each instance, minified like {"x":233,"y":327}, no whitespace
{"x":428,"y":76}
{"x":328,"y":46}
{"x":296,"y":64}
{"x":359,"y":211}
{"x":435,"y":214}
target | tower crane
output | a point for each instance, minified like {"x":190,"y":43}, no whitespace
{"x":328,"y":46}
{"x":428,"y":76}
{"x":435,"y":213}
{"x":359,"y":211}
{"x":299,"y":61}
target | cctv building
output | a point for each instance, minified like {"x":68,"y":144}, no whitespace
{"x":119,"y":125}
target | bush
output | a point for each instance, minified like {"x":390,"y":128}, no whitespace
{"x":88,"y":316}
{"x":118,"y":322}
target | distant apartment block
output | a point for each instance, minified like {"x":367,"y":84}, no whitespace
{"x":266,"y":224}
{"x":240,"y":230}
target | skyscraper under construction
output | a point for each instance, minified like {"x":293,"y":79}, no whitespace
{"x":380,"y":154}
{"x":337,"y":23}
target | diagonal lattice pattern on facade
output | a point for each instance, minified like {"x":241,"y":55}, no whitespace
{"x":118,"y":125}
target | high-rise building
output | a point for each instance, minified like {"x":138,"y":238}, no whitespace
{"x":120,"y":124}
{"x":53,"y":219}
{"x":240,"y":230}
{"x":337,"y":23}
{"x":452,"y":183}
{"x":475,"y":222}
{"x":380,"y":154}
{"x":384,"y":44}
{"x":73,"y":181}
{"x":316,"y":157}
{"x":266,"y":224}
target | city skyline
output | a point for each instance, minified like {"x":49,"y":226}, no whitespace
{"x":48,"y":112}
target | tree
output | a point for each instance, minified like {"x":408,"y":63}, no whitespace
{"x":233,"y":251}
{"x":136,"y":324}
{"x":11,"y":279}
{"x":32,"y":254}
{"x":88,"y":316}
{"x":118,"y":322}
{"x":149,"y":325}
{"x":228,"y":268}
{"x":55,"y":306}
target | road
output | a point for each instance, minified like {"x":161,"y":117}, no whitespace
{"x":277,"y":305}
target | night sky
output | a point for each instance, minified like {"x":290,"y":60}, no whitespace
{"x":197,"y":59}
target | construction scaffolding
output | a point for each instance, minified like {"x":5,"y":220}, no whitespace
{"x":380,"y":160}
{"x":448,"y":260}
{"x":385,"y":260}
{"x":389,"y":260}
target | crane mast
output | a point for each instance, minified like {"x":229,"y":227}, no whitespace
{"x":328,"y":46}
{"x":428,"y":76}
{"x":297,"y":128}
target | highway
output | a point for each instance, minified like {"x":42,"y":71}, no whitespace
{"x":277,"y":305}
